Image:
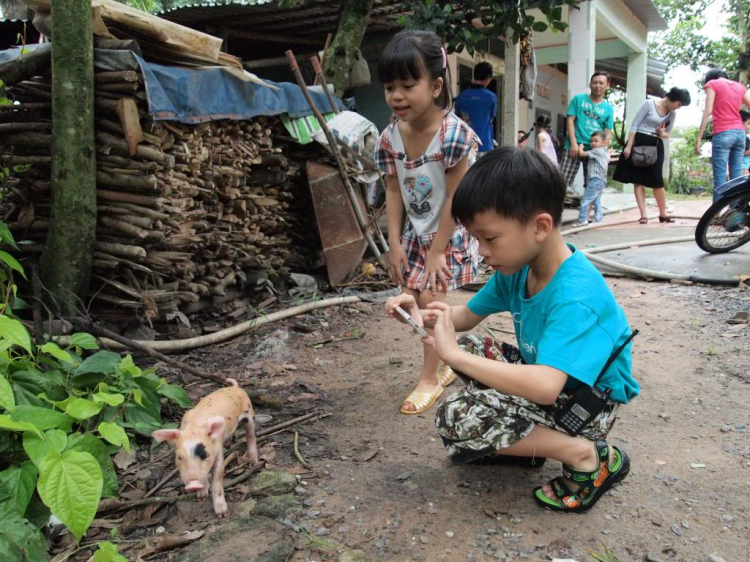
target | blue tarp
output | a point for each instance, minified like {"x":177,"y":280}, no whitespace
{"x":197,"y":95}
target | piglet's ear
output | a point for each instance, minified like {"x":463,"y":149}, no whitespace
{"x":216,"y":427}
{"x":166,"y":435}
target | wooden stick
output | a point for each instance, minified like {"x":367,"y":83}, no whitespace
{"x":297,"y":454}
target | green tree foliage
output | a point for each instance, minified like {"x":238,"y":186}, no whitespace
{"x":454,"y":20}
{"x":684,"y":43}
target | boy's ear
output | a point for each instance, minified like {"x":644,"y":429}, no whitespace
{"x":543,"y":225}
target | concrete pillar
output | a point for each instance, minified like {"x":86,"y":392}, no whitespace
{"x":510,"y":93}
{"x":636,"y":87}
{"x":581,"y":48}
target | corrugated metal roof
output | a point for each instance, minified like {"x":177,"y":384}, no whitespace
{"x":646,"y":11}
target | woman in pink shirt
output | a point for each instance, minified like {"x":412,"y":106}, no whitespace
{"x":724,"y":98}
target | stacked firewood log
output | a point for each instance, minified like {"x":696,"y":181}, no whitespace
{"x":185,"y":212}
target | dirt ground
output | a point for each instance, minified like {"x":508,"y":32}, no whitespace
{"x":685,"y":498}
{"x":381,"y":482}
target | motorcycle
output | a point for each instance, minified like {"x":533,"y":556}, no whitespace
{"x":725,"y":226}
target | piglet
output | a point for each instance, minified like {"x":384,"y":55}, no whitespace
{"x":199,"y":443}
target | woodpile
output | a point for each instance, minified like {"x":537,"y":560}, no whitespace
{"x":185,"y":212}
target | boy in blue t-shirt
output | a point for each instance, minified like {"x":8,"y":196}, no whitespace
{"x":479,"y":106}
{"x":567,"y":326}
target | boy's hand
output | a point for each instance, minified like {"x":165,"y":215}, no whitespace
{"x":444,"y":340}
{"x":408,"y":303}
{"x":436,"y":267}
{"x":397,"y":259}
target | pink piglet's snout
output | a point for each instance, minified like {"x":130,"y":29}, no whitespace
{"x":194,"y":486}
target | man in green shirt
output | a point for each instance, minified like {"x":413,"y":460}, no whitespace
{"x":587,"y":113}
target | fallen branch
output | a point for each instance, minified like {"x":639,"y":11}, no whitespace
{"x":297,"y":454}
{"x":87,"y":326}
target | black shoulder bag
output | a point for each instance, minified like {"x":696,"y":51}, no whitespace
{"x":588,"y":401}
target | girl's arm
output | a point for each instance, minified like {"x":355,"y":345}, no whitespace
{"x":710,"y":95}
{"x":394,"y":209}
{"x":540,"y":143}
{"x":436,"y":266}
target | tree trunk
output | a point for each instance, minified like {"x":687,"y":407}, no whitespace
{"x":343,"y":50}
{"x":66,"y":261}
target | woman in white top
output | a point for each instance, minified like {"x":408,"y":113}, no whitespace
{"x":652,"y":123}
{"x":544,"y":143}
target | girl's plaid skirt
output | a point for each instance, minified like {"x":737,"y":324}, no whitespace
{"x":462,"y":255}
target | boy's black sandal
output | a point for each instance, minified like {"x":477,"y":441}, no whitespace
{"x":592,"y":484}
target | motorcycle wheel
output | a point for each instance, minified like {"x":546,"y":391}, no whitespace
{"x":725,"y":226}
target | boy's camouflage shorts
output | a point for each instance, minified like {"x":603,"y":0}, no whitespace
{"x":479,"y":421}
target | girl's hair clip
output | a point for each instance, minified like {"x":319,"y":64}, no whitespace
{"x":445,"y":58}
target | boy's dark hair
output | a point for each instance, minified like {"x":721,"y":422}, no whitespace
{"x":512,"y":182}
{"x":600,"y":73}
{"x":744,"y":115}
{"x":599,"y":134}
{"x":482,"y":71}
{"x":680,"y":95}
{"x":411,"y":55}
{"x":713,"y":74}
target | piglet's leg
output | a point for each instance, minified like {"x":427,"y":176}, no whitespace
{"x":252,"y":444}
{"x":217,"y":485}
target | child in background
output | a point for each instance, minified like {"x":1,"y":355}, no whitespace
{"x":544,"y":142}
{"x":598,"y":157}
{"x":424,"y":154}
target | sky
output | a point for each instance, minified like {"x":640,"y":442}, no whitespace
{"x":683,"y":77}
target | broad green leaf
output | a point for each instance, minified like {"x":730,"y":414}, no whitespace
{"x":107,"y":398}
{"x":107,"y":552}
{"x":54,"y":350}
{"x":7,"y":400}
{"x":141,"y":420}
{"x":42,"y":418}
{"x":71,"y":485}
{"x":103,"y":362}
{"x":20,"y":540}
{"x":12,"y":263}
{"x":37,"y":447}
{"x":91,"y":444}
{"x":82,"y":409}
{"x":176,"y":393}
{"x":19,"y":481}
{"x":15,"y":332}
{"x":138,"y":396}
{"x":84,"y":340}
{"x":7,"y":423}
{"x":6,"y":236}
{"x":128,"y":367}
{"x":114,"y":434}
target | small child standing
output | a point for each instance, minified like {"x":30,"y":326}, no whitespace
{"x":544,"y":142}
{"x":424,"y":153}
{"x":598,"y":158}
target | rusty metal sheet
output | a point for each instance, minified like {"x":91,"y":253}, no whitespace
{"x":343,"y":243}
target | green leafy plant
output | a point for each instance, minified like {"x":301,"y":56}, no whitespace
{"x":454,"y":21}
{"x":64,"y":410}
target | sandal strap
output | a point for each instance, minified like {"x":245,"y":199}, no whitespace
{"x":591,"y":480}
{"x":568,"y":499}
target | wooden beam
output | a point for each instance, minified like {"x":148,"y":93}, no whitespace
{"x":272,"y":37}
